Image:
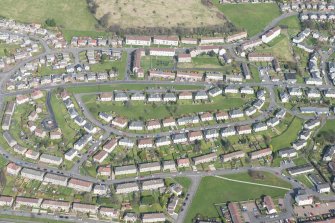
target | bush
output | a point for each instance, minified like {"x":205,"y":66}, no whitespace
{"x":50,"y":22}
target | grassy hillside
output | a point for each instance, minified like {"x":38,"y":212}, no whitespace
{"x":152,"y":13}
{"x":69,"y":14}
{"x":251,"y":17}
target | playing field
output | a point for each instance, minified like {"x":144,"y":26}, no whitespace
{"x":214,"y":190}
{"x":251,"y":17}
{"x":151,"y":13}
{"x":71,"y":15}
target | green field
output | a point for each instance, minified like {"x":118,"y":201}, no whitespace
{"x":280,"y":47}
{"x":214,"y":190}
{"x":149,"y":62}
{"x":202,"y":61}
{"x":139,"y":110}
{"x":9,"y":47}
{"x":292,"y":24}
{"x":12,"y":218}
{"x":69,"y":129}
{"x":138,"y":86}
{"x":71,"y":15}
{"x":251,"y":17}
{"x":119,"y":65}
{"x":329,"y":126}
{"x":288,"y":136}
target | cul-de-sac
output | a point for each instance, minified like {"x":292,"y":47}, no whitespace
{"x":192,"y":111}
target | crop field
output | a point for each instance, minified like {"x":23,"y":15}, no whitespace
{"x":151,"y":13}
{"x":245,"y":15}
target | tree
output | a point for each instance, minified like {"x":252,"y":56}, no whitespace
{"x":104,"y":20}
{"x":103,"y":58}
{"x":6,"y":52}
{"x":50,"y":22}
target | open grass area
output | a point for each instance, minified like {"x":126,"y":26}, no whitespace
{"x":151,"y":13}
{"x":139,"y":110}
{"x":214,"y":190}
{"x":3,"y":161}
{"x":304,"y":180}
{"x":119,"y":65}
{"x":137,"y":86}
{"x":72,"y":15}
{"x":292,"y":24}
{"x":288,"y":136}
{"x":69,"y":129}
{"x":148,"y":62}
{"x":28,"y":219}
{"x":47,"y":70}
{"x":251,"y":17}
{"x":10,"y":48}
{"x":329,"y":126}
{"x":280,"y":47}
{"x":202,"y":61}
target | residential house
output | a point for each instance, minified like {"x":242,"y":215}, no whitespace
{"x":80,"y":185}
{"x":260,"y":153}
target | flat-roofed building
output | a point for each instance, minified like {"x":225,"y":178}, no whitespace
{"x":300,"y":169}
